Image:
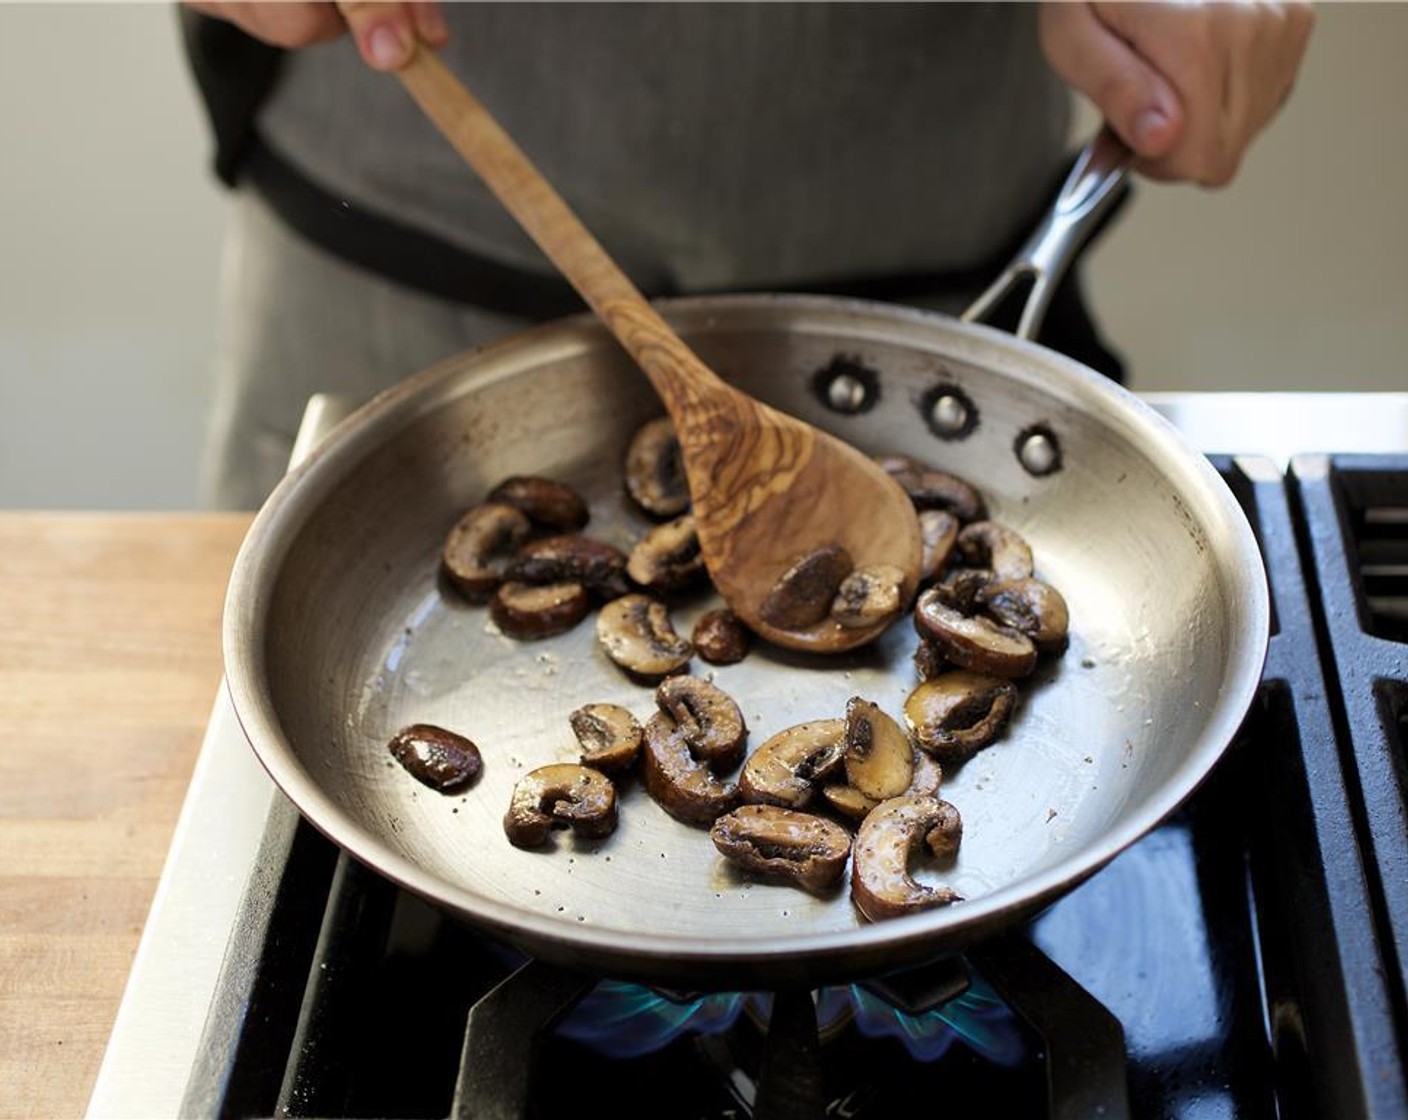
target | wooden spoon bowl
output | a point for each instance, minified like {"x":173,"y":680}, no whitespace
{"x":766,"y":488}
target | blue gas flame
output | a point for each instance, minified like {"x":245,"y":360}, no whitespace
{"x":629,"y":1020}
{"x":978,"y":1017}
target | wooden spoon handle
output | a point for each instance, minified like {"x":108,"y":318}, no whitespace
{"x":691,"y":391}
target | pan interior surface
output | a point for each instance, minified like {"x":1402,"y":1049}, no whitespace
{"x":341,"y":632}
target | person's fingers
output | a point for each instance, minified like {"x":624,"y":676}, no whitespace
{"x":1134,"y":97}
{"x":1232,"y":66}
{"x":430,"y":23}
{"x":385,"y":33}
{"x":1195,"y":48}
{"x":288,"y":25}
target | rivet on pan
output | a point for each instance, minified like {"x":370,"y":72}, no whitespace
{"x":846,"y":393}
{"x":1038,"y":451}
{"x":846,"y":385}
{"x":949,"y":414}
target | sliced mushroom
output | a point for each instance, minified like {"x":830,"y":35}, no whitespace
{"x":598,"y":566}
{"x":782,"y":843}
{"x":881,"y":884}
{"x":526,"y":611}
{"x":655,"y":476}
{"x":928,"y":777}
{"x":667,"y":558}
{"x":938,"y":532}
{"x":438,"y":758}
{"x":637,"y":634}
{"x":709,"y":718}
{"x":974,"y":643}
{"x":684,"y":786}
{"x":610,"y":736}
{"x":879,"y":757}
{"x":955,"y":715}
{"x":869,"y":596}
{"x":560,"y":795}
{"x":804,"y":593}
{"x":480,"y":548}
{"x":848,"y":801}
{"x":1030,"y":607}
{"x":1004,"y":551}
{"x":785,"y":769}
{"x":961,"y":587}
{"x":946,"y":836}
{"x":720,"y":637}
{"x":930,"y":488}
{"x":549,"y":504}
{"x":929,"y":661}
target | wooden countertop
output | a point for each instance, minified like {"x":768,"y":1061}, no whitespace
{"x":109,"y":666}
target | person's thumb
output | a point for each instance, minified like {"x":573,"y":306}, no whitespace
{"x":1134,"y":98}
{"x":385,"y":33}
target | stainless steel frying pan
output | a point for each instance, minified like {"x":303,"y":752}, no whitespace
{"x":338,"y":633}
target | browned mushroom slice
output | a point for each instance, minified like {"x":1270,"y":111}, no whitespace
{"x":881,"y":884}
{"x":928,"y":774}
{"x":1004,"y":551}
{"x":667,"y":558}
{"x":938,"y":532}
{"x":976,"y":643}
{"x":720,"y":637}
{"x":848,"y":801}
{"x":955,"y":715}
{"x":782,"y":843}
{"x":1030,"y":607}
{"x":684,"y":786}
{"x":438,"y":758}
{"x":526,"y":611}
{"x":596,"y":565}
{"x":928,"y":777}
{"x":929,"y":662}
{"x":610,"y":736}
{"x":961,"y":587}
{"x":869,"y":596}
{"x":879,"y":756}
{"x":785,"y":769}
{"x":636,"y":633}
{"x":804,"y":593}
{"x":480,"y":548}
{"x":560,"y":795}
{"x":552,"y":505}
{"x":930,"y":488}
{"x":946,"y":836}
{"x":655,"y":477}
{"x":709,"y":718}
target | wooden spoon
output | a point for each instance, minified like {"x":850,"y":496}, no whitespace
{"x":766,"y":488}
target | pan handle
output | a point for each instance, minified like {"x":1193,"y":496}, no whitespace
{"x":1090,"y":190}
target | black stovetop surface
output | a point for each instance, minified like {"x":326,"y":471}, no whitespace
{"x":1245,"y":959}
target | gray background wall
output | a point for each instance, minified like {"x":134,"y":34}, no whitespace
{"x":110,"y":227}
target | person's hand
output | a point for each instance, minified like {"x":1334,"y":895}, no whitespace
{"x":386,"y":33}
{"x":1186,"y":85}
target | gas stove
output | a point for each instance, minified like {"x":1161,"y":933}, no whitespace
{"x":1247,"y":958}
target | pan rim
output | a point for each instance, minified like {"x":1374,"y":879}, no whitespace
{"x":832,"y":952}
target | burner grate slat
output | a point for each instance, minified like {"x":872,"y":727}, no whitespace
{"x":1353,"y":508}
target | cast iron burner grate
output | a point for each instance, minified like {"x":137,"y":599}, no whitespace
{"x":1245,"y":959}
{"x":1356,"y":524}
